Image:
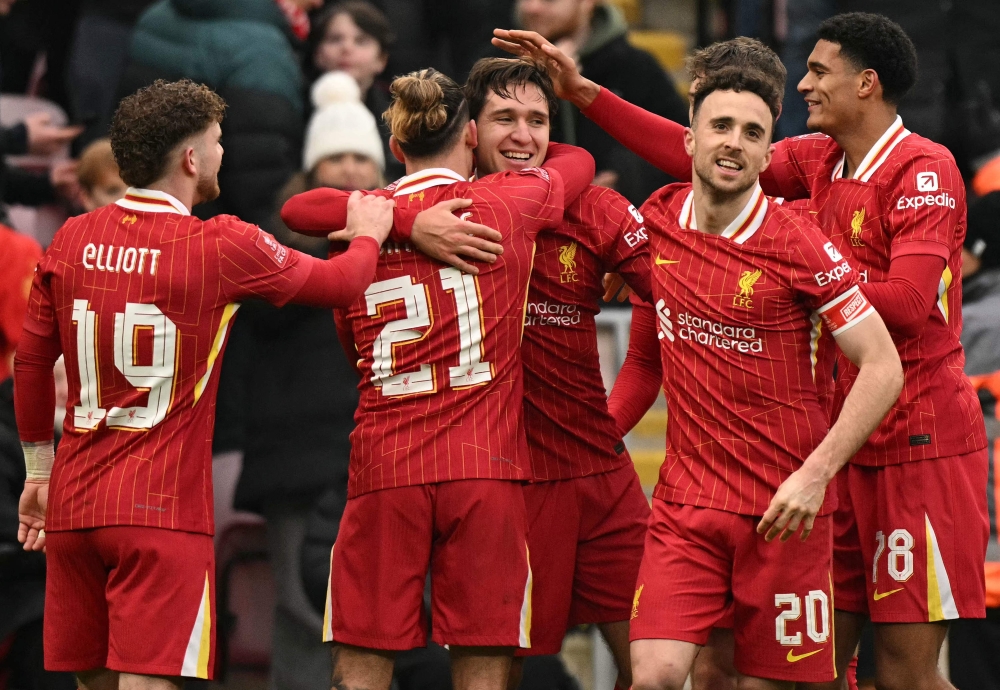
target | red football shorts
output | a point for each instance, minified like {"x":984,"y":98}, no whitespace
{"x":586,"y":537}
{"x":471,"y":534}
{"x":132,"y":599}
{"x":848,"y":565}
{"x":698,"y":562}
{"x":921,"y":533}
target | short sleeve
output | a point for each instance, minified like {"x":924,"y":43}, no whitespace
{"x":537,"y":193}
{"x":928,"y":207}
{"x":624,"y":241}
{"x":827,"y":283}
{"x":254,"y":264}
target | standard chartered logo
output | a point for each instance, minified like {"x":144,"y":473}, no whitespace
{"x":706,"y":332}
{"x":551,"y":314}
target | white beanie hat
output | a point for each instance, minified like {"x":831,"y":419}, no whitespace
{"x":341,"y":123}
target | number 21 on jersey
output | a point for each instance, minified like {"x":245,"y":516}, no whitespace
{"x":156,"y":378}
{"x":471,"y":369}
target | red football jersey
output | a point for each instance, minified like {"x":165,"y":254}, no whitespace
{"x":18,"y":256}
{"x":140,"y":296}
{"x":570,"y":431}
{"x":441,"y":388}
{"x":906,"y":197}
{"x":739,"y":317}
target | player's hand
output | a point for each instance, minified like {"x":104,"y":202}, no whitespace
{"x":795,"y":504}
{"x":31,"y":515}
{"x":45,"y":138}
{"x":368,"y":215}
{"x":439,"y":234}
{"x":569,"y":84}
{"x":614,"y":284}
{"x":63,"y":177}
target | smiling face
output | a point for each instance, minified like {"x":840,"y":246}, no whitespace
{"x":730,"y":141}
{"x":513,"y":132}
{"x":830,"y":88}
{"x":345,"y":47}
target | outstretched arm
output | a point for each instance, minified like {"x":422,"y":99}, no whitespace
{"x":658,"y":140}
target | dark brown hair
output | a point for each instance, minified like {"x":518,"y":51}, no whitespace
{"x":427,"y":113}
{"x":740,"y":52}
{"x":149,"y":124}
{"x":367,"y":16}
{"x":503,"y":76}
{"x":737,"y":79}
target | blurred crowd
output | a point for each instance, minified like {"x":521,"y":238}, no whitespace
{"x":306,"y":82}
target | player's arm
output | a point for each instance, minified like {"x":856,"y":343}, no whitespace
{"x":923,"y":225}
{"x":638,"y":382}
{"x":454,"y":241}
{"x":253,"y":264}
{"x":635,"y":128}
{"x":865,"y":341}
{"x":906,"y":299}
{"x":34,"y":405}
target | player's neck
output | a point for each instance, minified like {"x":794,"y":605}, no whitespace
{"x":714,"y":211}
{"x":859,"y":138}
{"x":184,"y":190}
{"x":457,"y":160}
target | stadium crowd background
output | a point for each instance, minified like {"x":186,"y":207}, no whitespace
{"x":287,"y":397}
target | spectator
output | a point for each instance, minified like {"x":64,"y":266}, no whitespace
{"x":355,"y":37}
{"x":448,"y":34}
{"x":595,"y":35}
{"x":304,"y":391}
{"x":973,"y":643}
{"x":244,"y":50}
{"x":100,"y":183}
{"x":19,"y":254}
{"x":97,"y":59}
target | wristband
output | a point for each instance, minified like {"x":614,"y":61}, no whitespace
{"x":38,"y":459}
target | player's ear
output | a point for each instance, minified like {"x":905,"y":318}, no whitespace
{"x":868,"y":83}
{"x":396,"y":150}
{"x":189,"y":161}
{"x":767,"y":158}
{"x":689,"y":140}
{"x":472,"y":135}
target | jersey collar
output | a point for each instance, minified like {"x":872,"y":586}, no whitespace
{"x":424,"y":179}
{"x":878,"y":153}
{"x":151,"y":201}
{"x":743,"y":227}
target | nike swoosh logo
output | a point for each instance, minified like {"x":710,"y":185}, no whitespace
{"x":792,"y":657}
{"x":882,"y":595}
{"x":660,"y":262}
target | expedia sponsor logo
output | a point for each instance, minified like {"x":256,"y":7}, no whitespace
{"x":834,"y":274}
{"x":633,"y":239}
{"x":852,"y":306}
{"x":551,"y":314}
{"x":944,"y":199}
{"x":927,"y":182}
